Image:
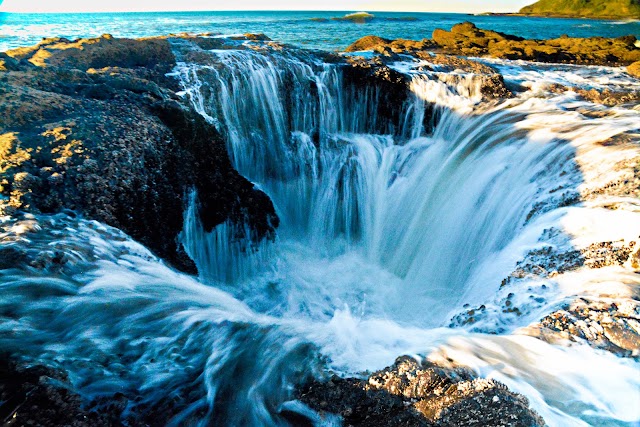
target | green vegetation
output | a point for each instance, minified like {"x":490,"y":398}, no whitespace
{"x":606,"y":9}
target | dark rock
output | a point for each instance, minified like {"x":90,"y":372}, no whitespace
{"x":42,"y":397}
{"x":97,"y":128}
{"x":362,"y":76}
{"x":420,"y":394}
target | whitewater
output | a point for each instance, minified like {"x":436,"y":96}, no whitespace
{"x":392,"y":235}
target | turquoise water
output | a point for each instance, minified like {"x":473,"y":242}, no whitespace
{"x":298,"y":28}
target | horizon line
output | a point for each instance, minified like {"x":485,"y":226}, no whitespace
{"x":243,"y":10}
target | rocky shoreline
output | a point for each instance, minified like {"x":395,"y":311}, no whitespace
{"x":97,"y":127}
{"x":466,"y":39}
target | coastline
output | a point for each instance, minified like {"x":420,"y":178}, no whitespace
{"x":561,"y":16}
{"x":96,"y":78}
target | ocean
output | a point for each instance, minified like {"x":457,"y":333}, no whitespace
{"x":304,"y":28}
{"x":499,"y":235}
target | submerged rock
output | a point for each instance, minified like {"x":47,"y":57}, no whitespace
{"x":412,"y":393}
{"x":96,"y":127}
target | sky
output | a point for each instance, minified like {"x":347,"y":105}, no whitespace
{"x":471,"y":6}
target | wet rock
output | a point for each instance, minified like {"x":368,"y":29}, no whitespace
{"x":97,"y":128}
{"x":612,"y":325}
{"x":362,"y":75}
{"x":492,"y":83}
{"x":367,"y":43}
{"x":609,"y":98}
{"x":40,"y":396}
{"x":412,"y":393}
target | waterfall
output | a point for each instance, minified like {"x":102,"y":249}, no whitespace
{"x":395,"y":219}
{"x":429,"y":208}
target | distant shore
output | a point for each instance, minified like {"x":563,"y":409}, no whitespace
{"x":560,"y":16}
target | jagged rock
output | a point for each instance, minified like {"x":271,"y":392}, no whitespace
{"x":97,"y":128}
{"x":410,"y":393}
{"x":392,"y":87}
{"x":467,"y":39}
{"x":603,"y":323}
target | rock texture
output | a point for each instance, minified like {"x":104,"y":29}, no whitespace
{"x":43,"y":397}
{"x":612,"y":325}
{"x":607,"y":9}
{"x":95,"y":126}
{"x":468,"y":40}
{"x":491,"y":81}
{"x":410,"y":393}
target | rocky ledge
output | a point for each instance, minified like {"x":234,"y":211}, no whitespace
{"x":468,"y":40}
{"x":412,"y":393}
{"x":95,"y":126}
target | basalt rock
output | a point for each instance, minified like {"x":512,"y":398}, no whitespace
{"x":374,"y":75}
{"x":412,"y":393}
{"x":95,"y":126}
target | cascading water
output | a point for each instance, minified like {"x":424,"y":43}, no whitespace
{"x":387,"y":230}
{"x":429,"y":209}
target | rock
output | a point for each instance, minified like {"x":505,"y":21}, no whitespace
{"x":100,"y":52}
{"x":412,"y":393}
{"x":41,"y":396}
{"x":602,"y":323}
{"x":97,"y":128}
{"x":467,"y":39}
{"x":367,"y":43}
{"x":492,"y":85}
{"x":634,"y":69}
{"x":7,"y":63}
{"x":609,"y":98}
{"x":380,"y":45}
{"x":391,"y":86}
{"x":255,"y":37}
